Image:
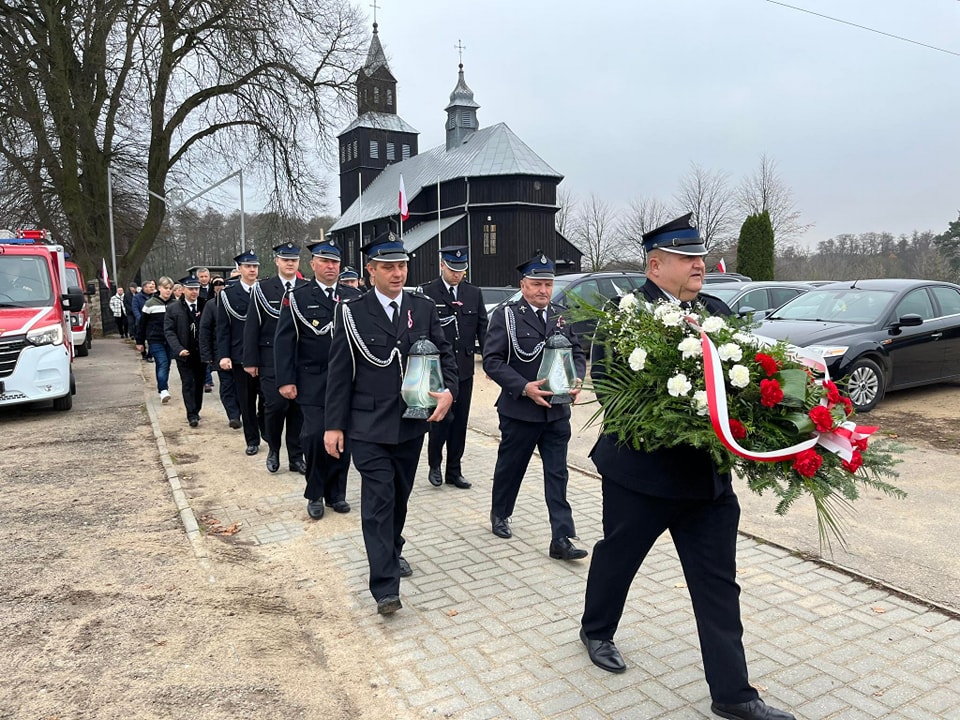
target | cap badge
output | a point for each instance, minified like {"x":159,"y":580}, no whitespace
{"x":543,"y":259}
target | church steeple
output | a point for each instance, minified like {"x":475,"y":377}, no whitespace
{"x":461,"y":112}
{"x":376,"y":85}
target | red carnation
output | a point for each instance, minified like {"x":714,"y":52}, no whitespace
{"x":847,"y":405}
{"x":770,"y":393}
{"x":807,"y":462}
{"x":833,"y":394}
{"x":769,"y":364}
{"x":822,"y":418}
{"x":737,"y":429}
{"x":859,"y":444}
{"x":855,"y":462}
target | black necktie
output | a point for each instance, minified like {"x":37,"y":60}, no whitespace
{"x":396,"y":314}
{"x":329,"y":294}
{"x":453,"y":293}
{"x":193,"y":309}
{"x":542,"y":317}
{"x":686,"y":305}
{"x":289,"y":286}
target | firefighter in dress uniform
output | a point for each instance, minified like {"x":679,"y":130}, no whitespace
{"x":464,"y":320}
{"x":302,"y":348}
{"x":267,"y":299}
{"x":373,"y":336}
{"x":181,"y":326}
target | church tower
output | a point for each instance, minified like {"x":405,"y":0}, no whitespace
{"x":378,"y":136}
{"x":461,"y":114}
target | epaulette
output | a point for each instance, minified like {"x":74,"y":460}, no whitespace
{"x":417,"y":293}
{"x":350,"y":299}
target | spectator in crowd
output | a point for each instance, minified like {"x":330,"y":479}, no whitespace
{"x":128,"y":308}
{"x":150,"y":330}
{"x":140,"y":299}
{"x":206,"y":291}
{"x":119,"y":312}
{"x":177,"y":291}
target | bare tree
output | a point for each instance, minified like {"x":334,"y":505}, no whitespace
{"x":707,"y":195}
{"x":593,"y":232}
{"x":643,"y":214}
{"x":568,"y":203}
{"x":765,"y":190}
{"x":159,"y":91}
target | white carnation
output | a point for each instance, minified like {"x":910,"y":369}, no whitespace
{"x":700,"y":402}
{"x":690,"y":347}
{"x":746,"y":339}
{"x":713,"y":324}
{"x":672,"y":317}
{"x":730,"y":351}
{"x":637,"y":359}
{"x":627,"y":302}
{"x":739,"y":376}
{"x":678,"y":385}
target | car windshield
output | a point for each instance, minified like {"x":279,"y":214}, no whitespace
{"x":24,"y":281}
{"x":846,"y":305}
{"x":723,"y":292}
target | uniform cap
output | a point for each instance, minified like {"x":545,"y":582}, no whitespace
{"x":349,"y":274}
{"x":386,"y":248}
{"x":287,"y":250}
{"x":539,"y":266}
{"x":247,"y":257}
{"x":190,"y":281}
{"x":455,"y":257}
{"x":325,"y":249}
{"x":677,"y":236}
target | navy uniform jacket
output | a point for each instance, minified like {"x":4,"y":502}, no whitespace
{"x":510,"y":371}
{"x":680,"y":472}
{"x":260,"y":328}
{"x":231,"y":316}
{"x":208,"y":330}
{"x":464,"y":321}
{"x":363,"y":398}
{"x":302,"y":345}
{"x":182,"y":331}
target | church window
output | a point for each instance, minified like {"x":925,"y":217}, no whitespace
{"x":406,"y":152}
{"x":349,"y":154}
{"x":489,"y":239}
{"x":343,"y":153}
{"x":374,"y":149}
{"x":356,"y":149}
{"x":466,"y":119}
{"x":389,"y":97}
{"x":376,"y":96}
{"x":391,"y":151}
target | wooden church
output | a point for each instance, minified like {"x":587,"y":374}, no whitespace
{"x":484,"y":188}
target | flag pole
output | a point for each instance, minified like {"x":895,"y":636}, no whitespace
{"x":360,"y":210}
{"x":439,"y":243}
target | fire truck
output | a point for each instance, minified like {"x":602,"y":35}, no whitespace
{"x":36,"y":346}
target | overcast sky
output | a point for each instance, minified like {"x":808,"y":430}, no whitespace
{"x":621,"y":97}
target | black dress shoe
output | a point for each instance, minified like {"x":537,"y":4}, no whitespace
{"x":405,"y":569}
{"x":753,"y":710}
{"x":194,"y":422}
{"x":273,"y":461}
{"x":563,"y":549}
{"x":459,"y":482}
{"x":298,"y":466}
{"x":235,"y":423}
{"x":340,"y":506}
{"x":388,"y":604}
{"x":315,"y":508}
{"x":603,"y":654}
{"x":501,"y":526}
{"x":435,"y":477}
{"x":252,"y":449}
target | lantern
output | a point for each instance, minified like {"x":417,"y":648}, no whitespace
{"x":558,"y":368}
{"x":423,"y":376}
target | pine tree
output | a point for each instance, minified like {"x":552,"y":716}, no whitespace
{"x":755,"y":247}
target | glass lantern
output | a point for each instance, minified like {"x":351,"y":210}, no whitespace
{"x":423,"y":376}
{"x":558,"y":368}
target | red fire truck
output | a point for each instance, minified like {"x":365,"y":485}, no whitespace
{"x":36,"y":346}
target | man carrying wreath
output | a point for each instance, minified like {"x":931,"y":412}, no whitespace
{"x":677,"y":489}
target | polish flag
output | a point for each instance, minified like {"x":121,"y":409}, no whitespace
{"x":103,"y":272}
{"x":404,"y":210}
{"x":721,"y":266}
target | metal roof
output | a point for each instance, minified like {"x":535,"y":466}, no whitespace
{"x":381,"y":121}
{"x":494,"y":150}
{"x":426,"y":231}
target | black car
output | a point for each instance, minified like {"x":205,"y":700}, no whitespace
{"x":876,"y":335}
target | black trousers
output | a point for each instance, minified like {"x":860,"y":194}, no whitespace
{"x":191,"y":384}
{"x":228,"y":394}
{"x":452,"y":432}
{"x":518,"y":438}
{"x":248,"y":391}
{"x":277,"y":412}
{"x":386,"y":475}
{"x":326,"y":475}
{"x":705,"y":535}
{"x":121,"y":324}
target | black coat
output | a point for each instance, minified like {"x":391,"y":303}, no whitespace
{"x":208,"y":331}
{"x":261,"y":326}
{"x":363,"y":399}
{"x":181,"y":331}
{"x":464,"y":321}
{"x":681,"y":472}
{"x":512,"y":372}
{"x":232,"y":306}
{"x":302,"y":344}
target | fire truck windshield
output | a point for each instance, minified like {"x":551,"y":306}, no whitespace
{"x":24,"y":281}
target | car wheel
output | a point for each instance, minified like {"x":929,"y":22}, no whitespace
{"x":82,"y":349}
{"x":63,"y":403}
{"x":865,"y":384}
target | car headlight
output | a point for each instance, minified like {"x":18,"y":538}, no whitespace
{"x":74,"y":320}
{"x":49,"y":335}
{"x":828,"y":351}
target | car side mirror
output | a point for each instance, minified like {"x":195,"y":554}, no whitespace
{"x":91,"y":288}
{"x":73,"y":300}
{"x":746,"y":310}
{"x":909,"y":320}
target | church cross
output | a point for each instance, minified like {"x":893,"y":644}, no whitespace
{"x":375,"y":8}
{"x":460,"y":48}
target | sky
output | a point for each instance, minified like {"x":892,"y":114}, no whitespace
{"x":621,"y":97}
